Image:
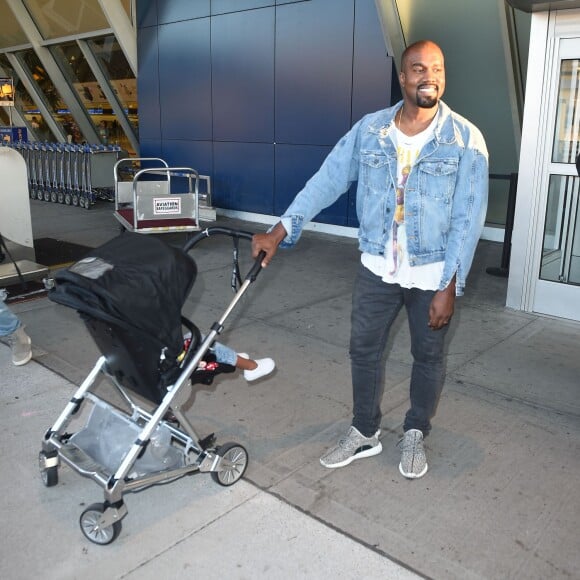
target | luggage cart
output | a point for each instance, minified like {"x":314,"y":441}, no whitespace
{"x":72,"y":174}
{"x":69,"y":190}
{"x":150,"y":202}
{"x":45,"y":173}
{"x":53,"y":150}
{"x":61,"y":161}
{"x":100,"y":164}
{"x":87,"y":197}
{"x":129,"y":447}
{"x":27,"y":153}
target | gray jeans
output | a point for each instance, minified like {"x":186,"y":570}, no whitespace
{"x":375,"y":306}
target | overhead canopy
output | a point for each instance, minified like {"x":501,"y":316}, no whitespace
{"x":543,"y":5}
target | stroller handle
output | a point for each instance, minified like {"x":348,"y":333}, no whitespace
{"x":235,"y":234}
{"x":208,"y":232}
{"x":257,"y":267}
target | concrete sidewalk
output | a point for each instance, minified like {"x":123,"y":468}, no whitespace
{"x":499,"y":500}
{"x":191,"y":528}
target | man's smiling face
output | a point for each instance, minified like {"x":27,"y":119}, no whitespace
{"x":422,"y":76}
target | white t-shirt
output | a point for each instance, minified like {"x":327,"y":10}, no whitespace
{"x":393,"y":267}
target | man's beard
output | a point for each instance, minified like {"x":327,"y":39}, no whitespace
{"x":427,"y":102}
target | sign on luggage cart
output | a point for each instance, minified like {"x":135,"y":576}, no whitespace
{"x":167,"y":205}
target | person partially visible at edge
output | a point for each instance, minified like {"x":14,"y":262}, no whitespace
{"x":13,"y":330}
{"x":422,"y":172}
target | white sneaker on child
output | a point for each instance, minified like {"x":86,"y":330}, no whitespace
{"x":265,"y":367}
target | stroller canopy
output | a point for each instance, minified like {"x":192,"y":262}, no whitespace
{"x":136,"y":281}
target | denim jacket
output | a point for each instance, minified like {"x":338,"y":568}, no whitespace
{"x":445,"y":194}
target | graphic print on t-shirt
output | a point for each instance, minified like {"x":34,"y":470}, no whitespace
{"x":407,"y":153}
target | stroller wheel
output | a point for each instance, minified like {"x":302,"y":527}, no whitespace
{"x":49,"y":475}
{"x":89,"y":522}
{"x":233,"y":464}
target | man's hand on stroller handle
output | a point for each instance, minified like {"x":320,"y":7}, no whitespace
{"x":268,"y":243}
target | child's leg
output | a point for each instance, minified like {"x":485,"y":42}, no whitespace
{"x":228,"y":356}
{"x":224,"y":354}
{"x":245,"y":363}
{"x":253,"y":369}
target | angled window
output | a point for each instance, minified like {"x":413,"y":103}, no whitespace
{"x":59,"y":18}
{"x":50,"y":95}
{"x":119,"y":74}
{"x":25,"y":104}
{"x":10,"y":32}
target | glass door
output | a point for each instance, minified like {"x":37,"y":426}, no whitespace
{"x":557,"y":290}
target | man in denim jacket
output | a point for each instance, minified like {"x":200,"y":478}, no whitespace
{"x":422,"y":173}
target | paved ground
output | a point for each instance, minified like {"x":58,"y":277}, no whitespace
{"x":499,"y":500}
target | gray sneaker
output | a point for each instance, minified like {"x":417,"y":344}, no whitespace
{"x":413,"y":460}
{"x":352,"y":446}
{"x":21,"y":346}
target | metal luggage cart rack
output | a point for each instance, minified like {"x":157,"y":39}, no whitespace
{"x":147,"y":199}
{"x":77,"y":175}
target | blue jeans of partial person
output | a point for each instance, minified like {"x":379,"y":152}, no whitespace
{"x":375,"y":305}
{"x":8,"y":320}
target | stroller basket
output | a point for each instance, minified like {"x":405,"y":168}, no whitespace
{"x":108,"y":435}
{"x":130,"y":293}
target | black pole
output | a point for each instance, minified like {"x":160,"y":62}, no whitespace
{"x":503,"y":270}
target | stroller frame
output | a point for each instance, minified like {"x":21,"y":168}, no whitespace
{"x":101,"y":522}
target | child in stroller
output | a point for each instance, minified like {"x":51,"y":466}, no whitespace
{"x":254,"y":369}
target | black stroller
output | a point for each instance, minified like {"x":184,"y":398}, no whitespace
{"x":130,"y":293}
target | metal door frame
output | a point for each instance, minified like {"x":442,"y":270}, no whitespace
{"x":525,"y":289}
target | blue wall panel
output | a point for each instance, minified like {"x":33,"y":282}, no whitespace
{"x":242,"y":49}
{"x":195,"y":154}
{"x":224,"y":6}
{"x":313,"y":71}
{"x":148,"y":84}
{"x":295,"y":164}
{"x":150,"y":148}
{"x":185,"y":80}
{"x":257,"y":96}
{"x":371,"y":74}
{"x":175,"y":10}
{"x":244,"y":176}
{"x":146,"y":13}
